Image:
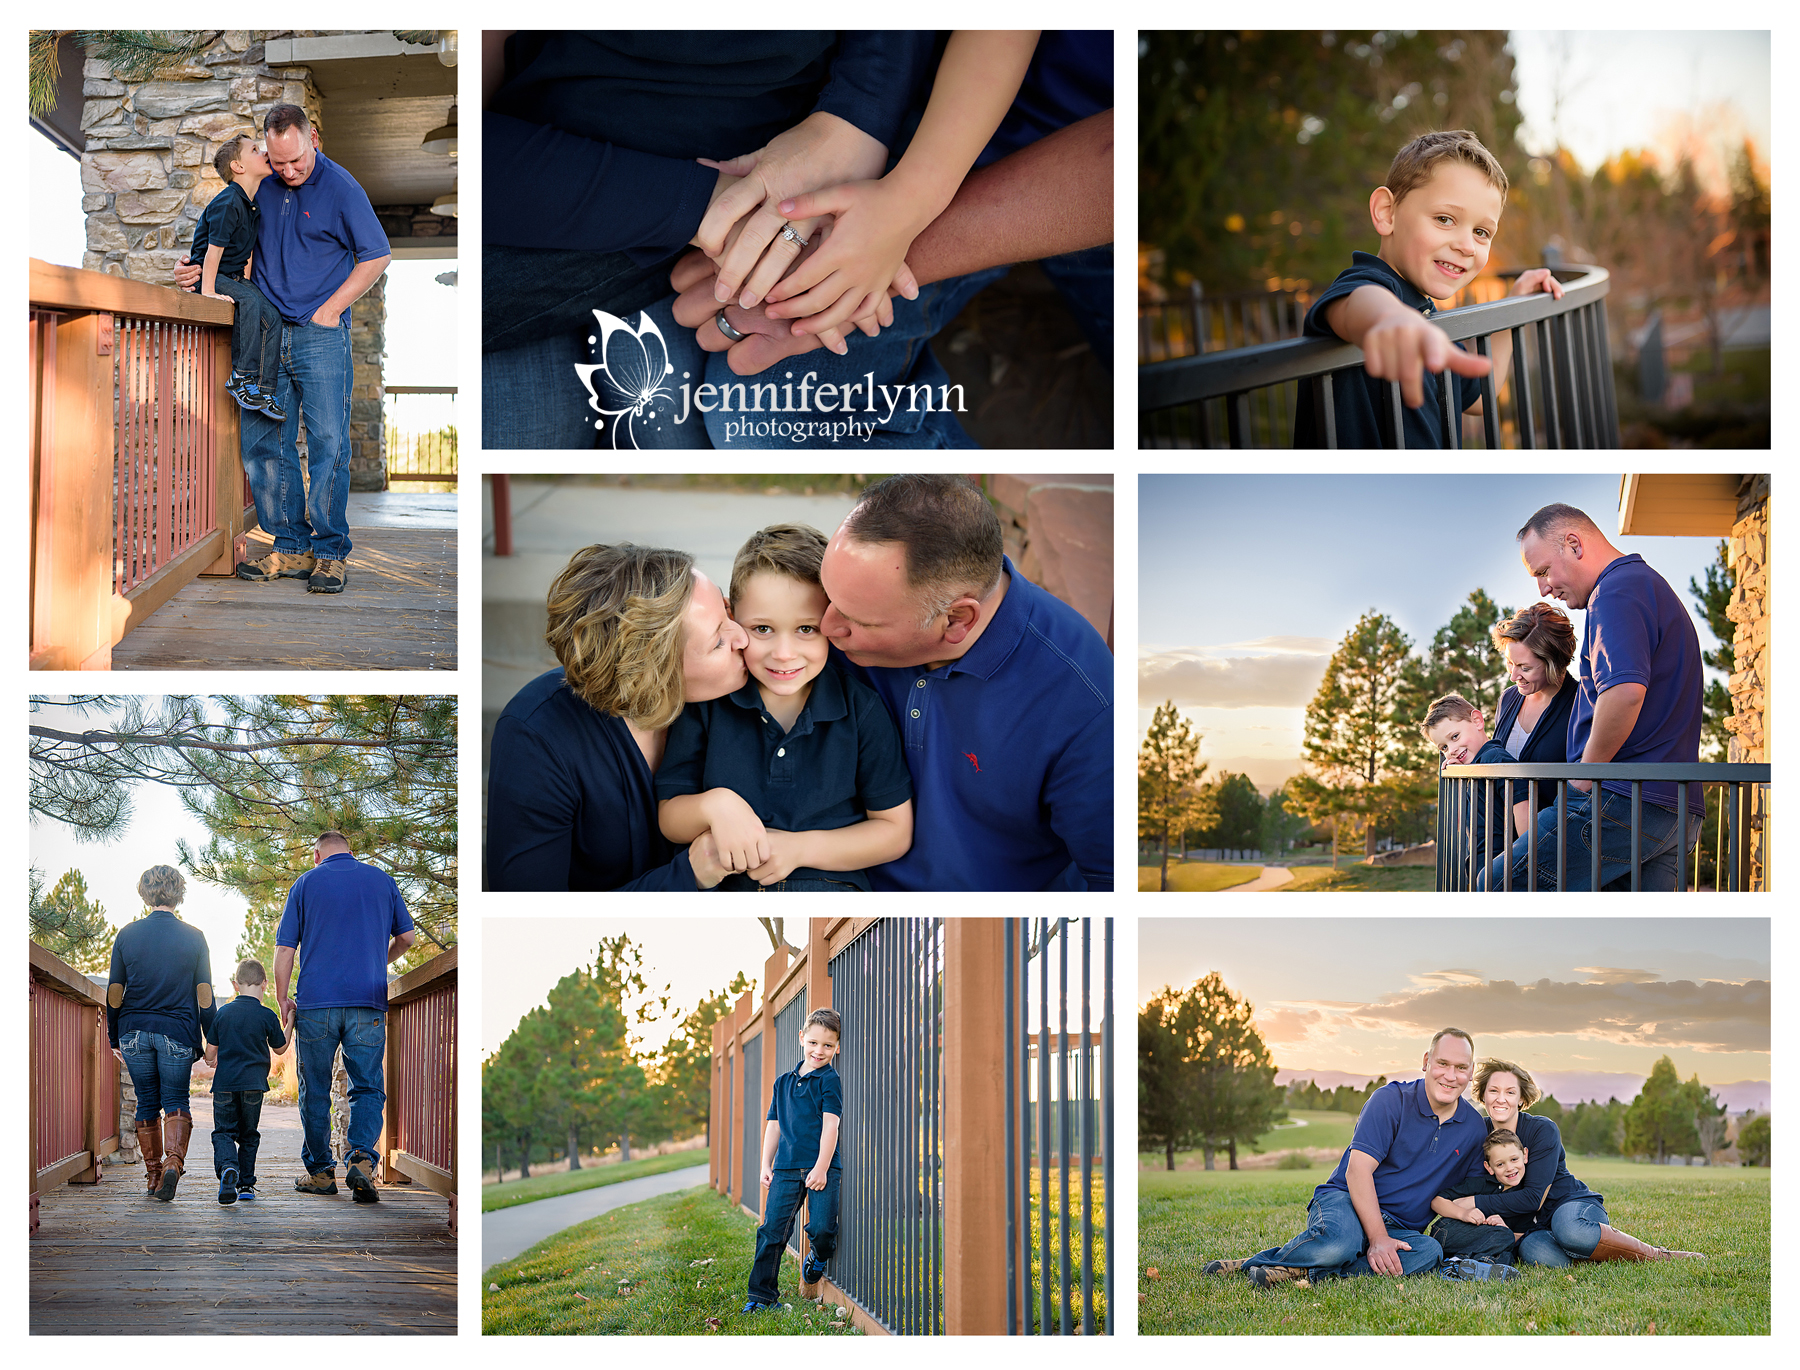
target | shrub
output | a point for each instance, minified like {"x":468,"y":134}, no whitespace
{"x":1294,"y":1160}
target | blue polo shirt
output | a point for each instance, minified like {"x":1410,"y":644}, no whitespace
{"x":246,"y":1031}
{"x":341,"y":915}
{"x":799,"y":1104}
{"x":1416,"y":1155}
{"x":1638,"y":631}
{"x":1010,"y":749}
{"x":311,"y":236}
{"x":840,"y":760}
{"x":160,"y":980}
{"x":229,"y":224}
{"x":1357,"y":396}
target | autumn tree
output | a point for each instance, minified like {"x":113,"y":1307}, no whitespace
{"x":1169,"y":772}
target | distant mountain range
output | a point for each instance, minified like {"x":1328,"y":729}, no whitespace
{"x":1569,"y":1086}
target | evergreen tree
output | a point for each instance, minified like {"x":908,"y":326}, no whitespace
{"x":1169,"y":770}
{"x":1460,"y":660}
{"x":1660,"y":1121}
{"x":1167,"y":1033}
{"x":683,"y":1068}
{"x":1237,"y":812}
{"x":1753,"y":1143}
{"x":1212,"y":1078}
{"x":1710,"y":1118}
{"x":1713,"y":600}
{"x":508,"y":1099}
{"x":1281,"y":828}
{"x":70,"y":924}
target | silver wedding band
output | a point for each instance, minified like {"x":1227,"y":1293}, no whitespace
{"x":787,"y":231}
{"x":726,"y":328}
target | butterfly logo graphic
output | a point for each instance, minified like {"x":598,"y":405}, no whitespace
{"x":628,"y":378}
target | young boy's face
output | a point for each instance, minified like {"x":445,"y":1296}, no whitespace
{"x":1439,"y":236}
{"x":818,"y":1044}
{"x":1458,"y":739}
{"x":252,"y":160}
{"x":1506,"y":1163}
{"x":781,"y":615}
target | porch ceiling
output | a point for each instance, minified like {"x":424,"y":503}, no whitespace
{"x":1678,"y":505}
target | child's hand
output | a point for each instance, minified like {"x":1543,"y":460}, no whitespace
{"x":1402,"y":345}
{"x":737,"y":831}
{"x":784,"y":855}
{"x":214,"y":295}
{"x":768,"y":1176}
{"x":815,"y":1178}
{"x":212,"y":1056}
{"x":851,"y":273}
{"x":1538,"y":278}
{"x":1495,"y":1220}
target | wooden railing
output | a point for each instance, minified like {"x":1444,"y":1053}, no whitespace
{"x":419,"y":1136}
{"x":74,"y":1085}
{"x":136,"y":481}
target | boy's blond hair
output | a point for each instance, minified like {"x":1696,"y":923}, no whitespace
{"x":790,"y":549}
{"x":1499,"y":1137}
{"x":1446,"y":707}
{"x":1415,"y":163}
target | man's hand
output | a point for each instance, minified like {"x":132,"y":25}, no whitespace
{"x":785,"y":853}
{"x":187,"y":273}
{"x":769,"y":341}
{"x":1402,"y":345}
{"x":286,"y":1008}
{"x":1384,"y":1255}
{"x":816,"y":1177}
{"x":327,"y":317}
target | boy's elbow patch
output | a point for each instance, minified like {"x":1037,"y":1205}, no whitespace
{"x":115,"y":994}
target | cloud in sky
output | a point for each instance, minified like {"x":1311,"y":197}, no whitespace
{"x":1276,"y":672}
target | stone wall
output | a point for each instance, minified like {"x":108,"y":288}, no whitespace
{"x":1748,"y":552}
{"x":368,"y":432}
{"x":414,"y":221}
{"x":1059,"y":533}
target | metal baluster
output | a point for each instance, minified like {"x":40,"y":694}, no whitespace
{"x":1531,"y":790}
{"x":1009,"y":936}
{"x":1237,"y":417}
{"x":1568,"y":408}
{"x":1062,"y":1090}
{"x":1442,"y":843}
{"x":1733,"y":826}
{"x":1521,"y":379}
{"x":1599,"y":841}
{"x":1043,"y":1109}
{"x":1609,"y":390}
{"x":1552,"y":419}
{"x":1447,"y":403}
{"x":1087,"y":1132}
{"x":1106,"y":1122}
{"x":1562,"y":833}
{"x":1637,"y":832}
{"x":1681,"y":816}
{"x":1328,"y":410}
{"x":1490,"y":400}
{"x":1395,"y":418}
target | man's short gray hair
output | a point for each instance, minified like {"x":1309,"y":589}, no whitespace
{"x":1553,"y":518}
{"x":162,"y":887}
{"x":951,"y":535}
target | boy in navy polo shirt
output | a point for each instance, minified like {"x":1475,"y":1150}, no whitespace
{"x":1437,"y":217}
{"x":1456,"y":728}
{"x":800,"y":1161}
{"x":244,"y":1033}
{"x":799,"y":772}
{"x":1483,"y":1250}
{"x":224,"y":243}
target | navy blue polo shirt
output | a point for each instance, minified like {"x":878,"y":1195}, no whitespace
{"x":342,"y":914}
{"x":311,"y":236}
{"x":840,"y":760}
{"x":229,"y":222}
{"x":1357,"y":396}
{"x":1491,"y":754}
{"x":799,"y":1104}
{"x":1416,"y":1155}
{"x":246,"y":1031}
{"x":160,"y":980}
{"x":1637,"y":631}
{"x":1010,"y":749}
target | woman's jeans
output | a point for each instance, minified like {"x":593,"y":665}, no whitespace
{"x":785,"y":1196}
{"x":1573,"y":1235}
{"x":362,"y":1033}
{"x":1656,"y":847}
{"x":312,"y":380}
{"x":1334,"y":1245}
{"x":160,"y":1067}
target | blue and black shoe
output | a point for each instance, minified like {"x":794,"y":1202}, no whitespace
{"x":813,"y":1270}
{"x":1468,"y":1268}
{"x":265,"y":404}
{"x":237,"y":387}
{"x":754,"y":1307}
{"x":246,"y":1193}
{"x":228,"y":1187}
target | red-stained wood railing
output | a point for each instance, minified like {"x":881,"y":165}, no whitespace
{"x":419,"y":1139}
{"x":74,"y":1081}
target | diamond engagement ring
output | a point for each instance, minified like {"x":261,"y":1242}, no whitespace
{"x":727,"y":329}
{"x":787,"y":231}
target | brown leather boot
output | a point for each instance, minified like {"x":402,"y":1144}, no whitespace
{"x":177,"y":1128}
{"x":1622,"y":1246}
{"x":149,"y":1137}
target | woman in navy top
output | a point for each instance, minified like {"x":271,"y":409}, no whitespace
{"x":572,"y":773}
{"x":1570,"y":1221}
{"x":1532,"y":722}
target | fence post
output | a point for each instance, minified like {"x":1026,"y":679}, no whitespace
{"x":72,"y":627}
{"x":93,"y":1044}
{"x":974,"y":1128}
{"x":716,"y":1102}
{"x":740,"y":1019}
{"x":227,"y":462}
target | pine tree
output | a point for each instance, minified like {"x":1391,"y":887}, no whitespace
{"x":1211,"y":1078}
{"x":69,"y":924}
{"x":1461,"y":660}
{"x":682,"y":1073}
{"x":1660,"y":1121}
{"x":1169,"y":770}
{"x":1713,"y":599}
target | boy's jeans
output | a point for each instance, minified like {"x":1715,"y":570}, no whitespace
{"x":1334,"y":1245}
{"x":159,"y":1068}
{"x":785,"y":1196}
{"x":255,"y":332}
{"x":312,"y":379}
{"x":236,"y":1117}
{"x":1480,"y":1241}
{"x":362,"y":1033}
{"x":1656,"y":846}
{"x":1573,"y":1235}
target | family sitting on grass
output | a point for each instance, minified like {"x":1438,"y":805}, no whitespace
{"x":1495,"y":1191}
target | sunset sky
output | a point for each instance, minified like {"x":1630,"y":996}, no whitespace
{"x":1567,"y":997}
{"x":1246,"y":584}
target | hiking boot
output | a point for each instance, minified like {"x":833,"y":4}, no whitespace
{"x":328,"y":579}
{"x":360,"y":1175}
{"x":1468,"y":1268}
{"x":320,"y":1183}
{"x":228,"y":1189}
{"x":1268,"y":1276}
{"x":1221,"y":1267}
{"x":274,"y":565}
{"x":177,"y":1128}
{"x":149,"y":1137}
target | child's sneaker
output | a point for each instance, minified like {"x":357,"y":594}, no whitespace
{"x":228,"y":1186}
{"x":1467,"y":1268}
{"x":246,"y":1193}
{"x":265,"y":404}
{"x":237,"y":386}
{"x":754,"y":1307}
{"x":813,"y":1270}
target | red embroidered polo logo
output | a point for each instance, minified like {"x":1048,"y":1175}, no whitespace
{"x":972,"y":761}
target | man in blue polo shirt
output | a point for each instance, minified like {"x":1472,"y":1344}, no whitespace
{"x":1641,"y":699}
{"x":1003,"y":693}
{"x":319,"y":247}
{"x":348,"y":922}
{"x":1412,"y":1139}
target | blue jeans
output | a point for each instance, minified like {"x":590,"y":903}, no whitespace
{"x":237,"y":1115}
{"x":159,"y":1068}
{"x":785,"y":1197}
{"x":312,"y":378}
{"x":1085,"y":281}
{"x":1573,"y":1235}
{"x":1656,"y":847}
{"x":255,"y":331}
{"x":362,"y":1033}
{"x":1334,"y":1245}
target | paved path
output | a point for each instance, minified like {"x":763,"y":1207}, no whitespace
{"x":507,"y":1232}
{"x":1272,"y":878}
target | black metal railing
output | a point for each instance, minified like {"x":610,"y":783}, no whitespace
{"x":1468,"y":795}
{"x":1051,"y":1117}
{"x":750,"y":1163}
{"x":887,"y":986}
{"x":1565,"y":342}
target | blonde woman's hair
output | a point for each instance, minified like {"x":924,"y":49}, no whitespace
{"x":1414,"y":164}
{"x":1490,"y":1066}
{"x":162,"y":887}
{"x":617,"y":623}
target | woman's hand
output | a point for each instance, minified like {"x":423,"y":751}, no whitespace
{"x":703,"y":855}
{"x":874,"y":225}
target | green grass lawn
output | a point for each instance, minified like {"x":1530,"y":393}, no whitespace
{"x":1323,"y":1128}
{"x":1378,"y":879}
{"x":572,"y":1181}
{"x":671,"y":1266}
{"x":1198,"y":876}
{"x":1190,"y":1217}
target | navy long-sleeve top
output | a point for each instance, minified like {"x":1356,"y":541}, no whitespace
{"x":1547,"y":1183}
{"x":160,"y":981}
{"x":571,"y":800}
{"x":1548,"y":739}
{"x":597,"y":132}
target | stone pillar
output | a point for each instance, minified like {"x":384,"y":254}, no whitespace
{"x":128,"y":1153}
{"x":340,"y":1108}
{"x":1748,"y":552}
{"x":147,"y":172}
{"x":368,"y":427}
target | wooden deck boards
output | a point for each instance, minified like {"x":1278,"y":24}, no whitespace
{"x":108,"y":1259}
{"x":397,"y":613}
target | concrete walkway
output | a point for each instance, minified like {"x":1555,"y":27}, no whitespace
{"x":1272,"y":878}
{"x":508,"y":1232}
